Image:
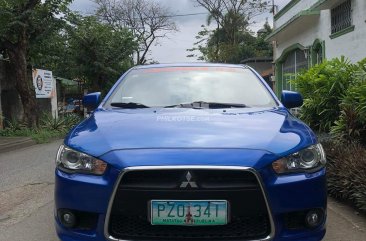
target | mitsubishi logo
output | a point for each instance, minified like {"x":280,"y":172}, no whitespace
{"x":187,"y":183}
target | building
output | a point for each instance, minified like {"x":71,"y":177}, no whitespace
{"x":263,"y":65}
{"x":308,"y":31}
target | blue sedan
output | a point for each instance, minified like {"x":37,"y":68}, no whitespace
{"x":191,"y":152}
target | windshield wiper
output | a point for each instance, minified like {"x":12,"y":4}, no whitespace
{"x":130,"y":105}
{"x":219,"y":105}
{"x":210,"y":105}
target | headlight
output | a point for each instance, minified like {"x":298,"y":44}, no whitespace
{"x":308,"y":159}
{"x":73,"y":161}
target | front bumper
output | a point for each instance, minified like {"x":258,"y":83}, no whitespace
{"x":284,"y":194}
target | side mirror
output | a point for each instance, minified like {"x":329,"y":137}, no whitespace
{"x":91,"y":100}
{"x":291,"y":99}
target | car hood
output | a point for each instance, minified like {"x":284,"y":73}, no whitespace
{"x":270,"y":130}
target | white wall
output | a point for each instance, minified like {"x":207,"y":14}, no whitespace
{"x":305,"y":38}
{"x":352,"y":45}
{"x":301,"y":5}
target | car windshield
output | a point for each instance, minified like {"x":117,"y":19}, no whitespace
{"x":179,"y":86}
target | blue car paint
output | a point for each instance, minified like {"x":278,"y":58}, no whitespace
{"x":92,"y":100}
{"x":274,"y":130}
{"x":291,"y":99}
{"x":250,"y":137}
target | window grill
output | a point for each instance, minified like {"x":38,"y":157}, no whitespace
{"x":319,"y":55}
{"x":341,"y":16}
{"x":295,"y":62}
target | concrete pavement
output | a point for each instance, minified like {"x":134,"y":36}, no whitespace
{"x":26,"y":193}
{"x":26,"y":199}
{"x":344,"y":223}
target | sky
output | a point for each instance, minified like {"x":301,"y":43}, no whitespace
{"x":173,"y":48}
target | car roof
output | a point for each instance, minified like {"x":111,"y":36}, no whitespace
{"x":198,"y":64}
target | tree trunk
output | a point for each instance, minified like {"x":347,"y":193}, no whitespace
{"x":23,"y":84}
{"x":217,"y":43}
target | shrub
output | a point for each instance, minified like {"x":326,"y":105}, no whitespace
{"x":351,"y":124}
{"x":323,"y":87}
{"x":14,"y":125}
{"x":71,"y":120}
{"x":50,"y":123}
{"x":62,"y":124}
{"x":50,"y":128}
{"x":346,"y":172}
{"x":335,"y":99}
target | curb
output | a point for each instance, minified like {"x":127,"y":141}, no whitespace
{"x":15,"y":144}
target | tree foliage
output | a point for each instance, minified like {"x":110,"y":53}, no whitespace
{"x":99,"y":52}
{"x":86,"y":49}
{"x":149,"y":21}
{"x":21,"y":23}
{"x":213,"y":46}
{"x":46,"y":34}
{"x":233,"y":15}
{"x":231,"y":41}
{"x":29,"y":17}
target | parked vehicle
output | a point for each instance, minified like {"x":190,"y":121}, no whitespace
{"x":191,"y":152}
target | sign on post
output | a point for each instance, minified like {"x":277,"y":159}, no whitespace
{"x":43,"y":83}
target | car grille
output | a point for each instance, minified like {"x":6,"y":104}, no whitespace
{"x":213,"y":179}
{"x":248,"y":215}
{"x":240,"y":227}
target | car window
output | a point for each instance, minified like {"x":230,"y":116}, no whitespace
{"x":165,"y":86}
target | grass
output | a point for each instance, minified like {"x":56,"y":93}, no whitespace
{"x":39,"y":135}
{"x":50,"y":128}
{"x":44,"y":136}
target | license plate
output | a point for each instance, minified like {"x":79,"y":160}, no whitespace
{"x":191,"y":213}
